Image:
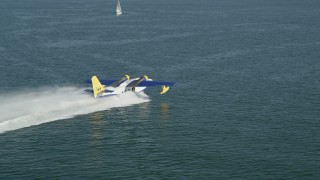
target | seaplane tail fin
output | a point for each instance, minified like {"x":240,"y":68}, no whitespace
{"x":97,"y":87}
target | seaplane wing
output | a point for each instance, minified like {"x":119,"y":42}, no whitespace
{"x":113,"y":87}
{"x":108,"y":82}
{"x":103,"y":81}
{"x":155,"y":83}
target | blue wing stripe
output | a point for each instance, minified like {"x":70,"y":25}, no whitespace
{"x":141,"y":84}
{"x":91,"y":91}
{"x":155,"y":83}
{"x":104,"y":82}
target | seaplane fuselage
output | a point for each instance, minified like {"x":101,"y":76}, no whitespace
{"x":123,"y":87}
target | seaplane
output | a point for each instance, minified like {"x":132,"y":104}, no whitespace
{"x":103,"y":87}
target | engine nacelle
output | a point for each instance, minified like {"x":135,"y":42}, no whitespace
{"x":118,"y":82}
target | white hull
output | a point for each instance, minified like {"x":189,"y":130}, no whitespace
{"x":123,"y":89}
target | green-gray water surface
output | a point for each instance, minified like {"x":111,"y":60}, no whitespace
{"x":246,"y":104}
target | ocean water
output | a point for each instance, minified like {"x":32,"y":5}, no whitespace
{"x":246,"y":104}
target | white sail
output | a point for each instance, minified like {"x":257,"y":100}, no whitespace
{"x":118,"y":10}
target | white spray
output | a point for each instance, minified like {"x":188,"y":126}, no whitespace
{"x":33,"y":107}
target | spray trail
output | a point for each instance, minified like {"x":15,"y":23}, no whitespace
{"x":33,"y":107}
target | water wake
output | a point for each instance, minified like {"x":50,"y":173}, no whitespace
{"x":33,"y":107}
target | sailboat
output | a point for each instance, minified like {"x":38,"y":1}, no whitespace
{"x":119,"y":10}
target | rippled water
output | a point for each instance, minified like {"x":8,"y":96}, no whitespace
{"x":246,"y":104}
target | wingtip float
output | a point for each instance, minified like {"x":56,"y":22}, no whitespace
{"x":125,"y":84}
{"x":164,"y":89}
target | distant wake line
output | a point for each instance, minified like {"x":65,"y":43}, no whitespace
{"x":33,"y":107}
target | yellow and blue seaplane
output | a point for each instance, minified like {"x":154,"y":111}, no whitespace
{"x":104,"y":87}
